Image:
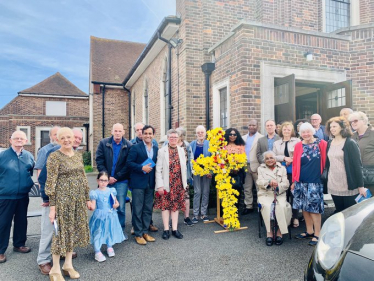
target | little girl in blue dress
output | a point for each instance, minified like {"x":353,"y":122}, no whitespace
{"x":104,"y":224}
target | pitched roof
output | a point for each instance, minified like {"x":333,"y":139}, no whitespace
{"x":56,"y":85}
{"x":111,"y":60}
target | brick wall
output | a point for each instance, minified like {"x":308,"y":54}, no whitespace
{"x":30,"y":111}
{"x":116,"y":111}
{"x":366,"y":11}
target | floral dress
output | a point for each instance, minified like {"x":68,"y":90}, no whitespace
{"x":67,"y":188}
{"x":173,"y":200}
{"x":308,"y":192}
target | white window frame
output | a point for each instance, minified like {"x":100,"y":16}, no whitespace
{"x":217,"y":105}
{"x":54,"y":104}
{"x":28,"y":133}
{"x":163,"y":85}
{"x":84,"y":134}
{"x":37,"y":137}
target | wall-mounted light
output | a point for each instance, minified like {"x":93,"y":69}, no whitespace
{"x":308,"y":55}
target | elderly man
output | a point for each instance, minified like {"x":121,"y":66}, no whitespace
{"x":44,"y":256}
{"x":41,"y":157}
{"x":316,"y":120}
{"x":111,"y":156}
{"x":251,"y":140}
{"x":345,"y":112}
{"x":266,"y":143}
{"x":16,"y":167}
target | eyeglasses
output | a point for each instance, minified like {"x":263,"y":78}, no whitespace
{"x":18,"y":139}
{"x":354,"y":121}
{"x":100,"y":180}
{"x":314,"y":119}
{"x":232,"y":135}
{"x":173,"y":138}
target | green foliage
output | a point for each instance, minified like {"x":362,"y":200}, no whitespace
{"x":87,"y":158}
{"x":88,"y":169}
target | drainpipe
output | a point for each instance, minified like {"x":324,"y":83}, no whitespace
{"x":168,"y":77}
{"x":103,"y":112}
{"x":207,"y":68}
{"x":127,"y":90}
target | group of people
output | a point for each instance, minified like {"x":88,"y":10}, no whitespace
{"x":285,"y":167}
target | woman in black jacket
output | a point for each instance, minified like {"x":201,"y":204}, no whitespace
{"x":343,"y":164}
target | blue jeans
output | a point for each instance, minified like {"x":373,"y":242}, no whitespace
{"x":121,"y":188}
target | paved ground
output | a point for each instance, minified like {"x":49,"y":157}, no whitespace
{"x":200,"y":255}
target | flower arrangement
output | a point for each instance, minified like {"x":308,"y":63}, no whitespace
{"x":221,"y":163}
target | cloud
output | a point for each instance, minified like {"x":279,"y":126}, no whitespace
{"x":40,"y":38}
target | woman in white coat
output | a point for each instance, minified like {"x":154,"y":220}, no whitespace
{"x":171,"y":182}
{"x":273,"y":176}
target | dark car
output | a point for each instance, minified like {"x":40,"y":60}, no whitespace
{"x":345,"y":250}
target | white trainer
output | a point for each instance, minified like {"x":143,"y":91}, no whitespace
{"x":100,"y":257}
{"x":110,"y":252}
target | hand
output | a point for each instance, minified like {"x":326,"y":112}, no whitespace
{"x":89,"y":205}
{"x":273,"y":183}
{"x":292,"y":186}
{"x":288,"y":160}
{"x":45,"y":204}
{"x":209,"y":176}
{"x":112,"y":180}
{"x":160,"y":191}
{"x":52,"y":214}
{"x":147,"y":168}
{"x":116,"y":205}
{"x":362,"y":191}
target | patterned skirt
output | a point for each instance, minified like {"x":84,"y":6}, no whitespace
{"x":308,"y":197}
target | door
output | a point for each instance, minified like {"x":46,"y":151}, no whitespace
{"x":284,"y":99}
{"x":335,"y":97}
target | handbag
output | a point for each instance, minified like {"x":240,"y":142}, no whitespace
{"x":368,"y":174}
{"x":324,"y":180}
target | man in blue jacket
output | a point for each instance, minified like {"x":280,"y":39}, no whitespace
{"x":111,"y":156}
{"x":142,"y":182}
{"x":16,"y":168}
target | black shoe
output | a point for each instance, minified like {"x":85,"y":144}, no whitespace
{"x":247,"y":211}
{"x":188,"y":222}
{"x":166,"y":235}
{"x":278,"y":240}
{"x":177,"y":234}
{"x":269,"y":241}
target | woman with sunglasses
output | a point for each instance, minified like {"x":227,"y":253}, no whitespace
{"x":364,"y":136}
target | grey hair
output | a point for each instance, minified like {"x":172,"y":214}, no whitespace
{"x":54,"y":127}
{"x":269,"y":152}
{"x":181,"y":131}
{"x":347,"y":108}
{"x":306,"y":127}
{"x":139,"y":123}
{"x":360,"y":115}
{"x":171,"y":131}
{"x":18,"y":132}
{"x":200,"y":127}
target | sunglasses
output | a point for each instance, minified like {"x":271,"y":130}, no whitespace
{"x":354,"y":121}
{"x":232,"y":135}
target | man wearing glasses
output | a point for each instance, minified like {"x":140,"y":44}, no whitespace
{"x":16,"y":168}
{"x":316,"y":120}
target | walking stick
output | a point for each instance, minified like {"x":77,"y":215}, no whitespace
{"x":275,"y":224}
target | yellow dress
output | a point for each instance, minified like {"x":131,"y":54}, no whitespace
{"x":68,"y":190}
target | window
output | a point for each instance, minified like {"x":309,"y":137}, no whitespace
{"x":223,"y":108}
{"x":337,"y":14}
{"x":27,"y":131}
{"x":281,"y":94}
{"x":146,"y":106}
{"x":336,"y":98}
{"x":55,"y":108}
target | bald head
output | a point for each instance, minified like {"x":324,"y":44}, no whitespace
{"x":53,"y":134}
{"x":345,"y":112}
{"x":316,"y":120}
{"x":118,"y":132}
{"x":18,"y":140}
{"x":78,"y":137}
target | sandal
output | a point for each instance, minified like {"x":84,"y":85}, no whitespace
{"x":313,"y":243}
{"x":295,"y":223}
{"x":304,"y":235}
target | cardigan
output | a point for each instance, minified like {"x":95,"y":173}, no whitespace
{"x":366,"y":146}
{"x":352,"y":164}
{"x":296,"y":164}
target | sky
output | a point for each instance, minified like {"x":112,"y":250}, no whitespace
{"x":41,"y":37}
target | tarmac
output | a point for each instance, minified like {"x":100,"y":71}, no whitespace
{"x":200,"y":255}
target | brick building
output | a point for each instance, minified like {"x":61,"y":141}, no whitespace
{"x":258,"y":59}
{"x":53,"y":102}
{"x":110,"y":61}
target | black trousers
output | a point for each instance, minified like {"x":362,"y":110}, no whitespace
{"x":295,"y":212}
{"x":9,"y":209}
{"x":343,"y":202}
{"x":142,"y":207}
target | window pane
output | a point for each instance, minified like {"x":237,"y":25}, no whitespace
{"x":223,"y":108}
{"x":337,"y":14}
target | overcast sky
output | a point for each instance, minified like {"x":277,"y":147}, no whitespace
{"x":41,"y":37}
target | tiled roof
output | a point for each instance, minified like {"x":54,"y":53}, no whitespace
{"x":56,"y":85}
{"x":111,"y":60}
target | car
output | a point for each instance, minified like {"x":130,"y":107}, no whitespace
{"x":345,"y":250}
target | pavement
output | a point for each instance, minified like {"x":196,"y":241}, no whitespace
{"x":200,"y":255}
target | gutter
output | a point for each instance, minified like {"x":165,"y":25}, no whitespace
{"x":154,"y":38}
